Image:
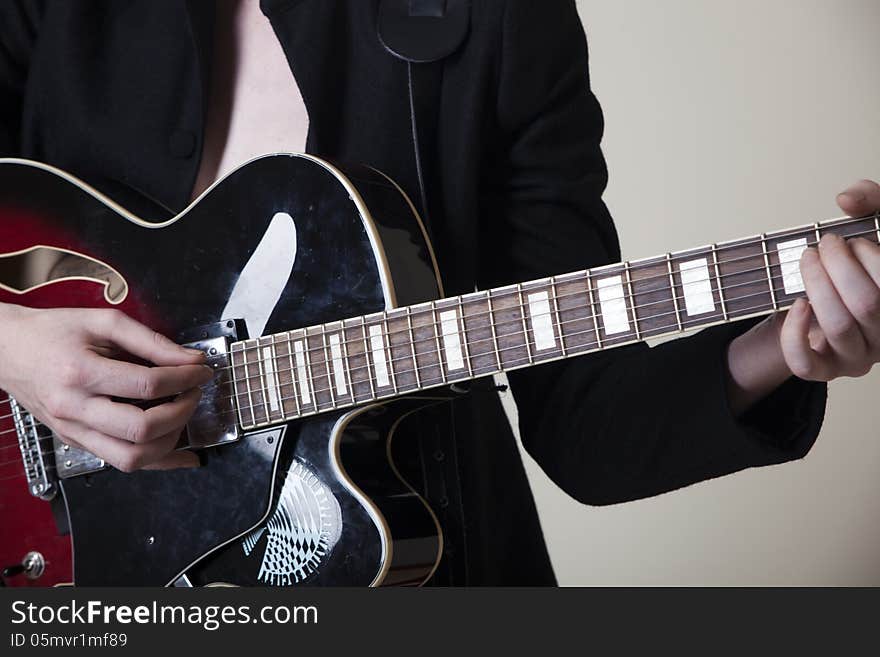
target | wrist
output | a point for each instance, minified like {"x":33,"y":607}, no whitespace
{"x":755,"y":364}
{"x":10,"y":316}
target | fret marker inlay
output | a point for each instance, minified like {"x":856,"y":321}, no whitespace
{"x":301,"y":376}
{"x":338,"y":365}
{"x":377,"y":347}
{"x":269,"y":377}
{"x":451,"y":340}
{"x":612,"y":301}
{"x":542,"y":324}
{"x":696,"y":286}
{"x":789,"y":261}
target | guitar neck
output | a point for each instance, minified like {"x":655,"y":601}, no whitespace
{"x":288,"y":375}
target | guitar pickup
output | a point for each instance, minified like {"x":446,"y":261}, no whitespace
{"x":214,"y":421}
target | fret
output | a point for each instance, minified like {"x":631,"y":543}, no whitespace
{"x":786,"y":268}
{"x":255,"y":393}
{"x":286,"y":390}
{"x":542,"y":330}
{"x":593,"y":315}
{"x":378,"y":356}
{"x":784,"y":251}
{"x":672,"y":288}
{"x":288,"y":343}
{"x":262,"y":380}
{"x":435,"y":325}
{"x":877,"y":226}
{"x":426,"y":345}
{"x":327,"y":366}
{"x":239,"y":377}
{"x":631,"y":300}
{"x":509,"y":323}
{"x":492,"y":327}
{"x":452,"y":339}
{"x":341,"y":359}
{"x":653,"y":303}
{"x":769,"y":274}
{"x":339,"y":380}
{"x":386,"y":340}
{"x":400,"y":348}
{"x":577,"y":329}
{"x":741,"y":264}
{"x":309,"y":377}
{"x":299,"y":346}
{"x":614,"y":317}
{"x":464,"y":341}
{"x":522,"y":313}
{"x":478,"y":334}
{"x":355,"y":344}
{"x":412,"y":338}
{"x":367,"y":348}
{"x":270,"y":380}
{"x":698,"y":300}
{"x":318,"y":369}
{"x":718,"y":281}
{"x":555,"y":297}
{"x":846,"y":228}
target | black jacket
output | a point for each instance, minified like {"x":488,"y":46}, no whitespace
{"x":115,"y":91}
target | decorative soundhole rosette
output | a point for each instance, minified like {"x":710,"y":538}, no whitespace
{"x":301,"y":531}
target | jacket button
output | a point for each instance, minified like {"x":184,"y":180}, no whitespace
{"x":182,"y":144}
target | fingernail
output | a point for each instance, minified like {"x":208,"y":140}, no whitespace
{"x":829,"y":238}
{"x":851,"y":197}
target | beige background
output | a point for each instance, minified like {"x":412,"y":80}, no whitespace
{"x":725,"y":119}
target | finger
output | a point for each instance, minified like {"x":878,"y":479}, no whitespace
{"x":136,"y":425}
{"x":839,"y":326}
{"x":868,"y":255}
{"x":117,"y":378}
{"x":859,"y":199}
{"x":856,"y":288}
{"x":794,"y":339}
{"x":121,"y":454}
{"x":143,"y":341}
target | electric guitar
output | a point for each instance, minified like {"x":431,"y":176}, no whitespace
{"x":313,"y":290}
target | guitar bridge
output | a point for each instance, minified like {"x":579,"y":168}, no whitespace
{"x":35,"y":444}
{"x":46,"y":459}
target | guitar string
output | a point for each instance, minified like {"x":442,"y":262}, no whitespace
{"x":471,"y":343}
{"x":455,"y":301}
{"x":388,"y":334}
{"x":430,"y":382}
{"x":302,"y":335}
{"x":321,"y":350}
{"x":549,"y":281}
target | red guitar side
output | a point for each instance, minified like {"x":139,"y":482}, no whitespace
{"x":27,"y":523}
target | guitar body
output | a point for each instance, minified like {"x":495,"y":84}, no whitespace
{"x":283,"y":242}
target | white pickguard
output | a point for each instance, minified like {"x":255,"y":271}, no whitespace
{"x":264,"y":277}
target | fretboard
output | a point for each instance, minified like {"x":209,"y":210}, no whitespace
{"x":288,"y":375}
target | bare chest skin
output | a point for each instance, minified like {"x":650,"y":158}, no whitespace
{"x":255,"y":105}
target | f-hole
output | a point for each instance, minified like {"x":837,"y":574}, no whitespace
{"x":26,"y":270}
